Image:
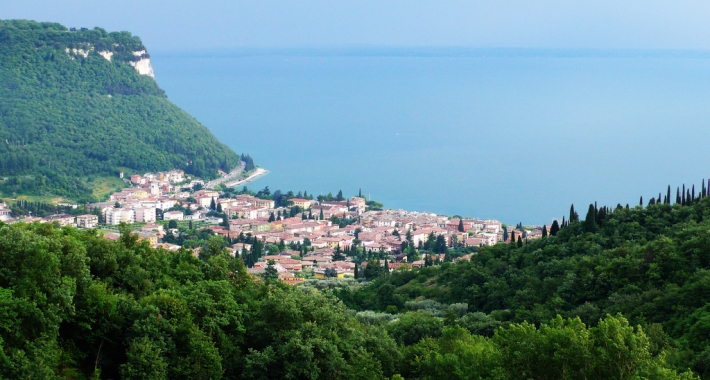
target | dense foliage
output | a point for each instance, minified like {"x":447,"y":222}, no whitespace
{"x":652,"y":264}
{"x":64,"y":116}
{"x":75,"y":305}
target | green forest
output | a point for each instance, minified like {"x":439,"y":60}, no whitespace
{"x":620,"y":294}
{"x":65,"y":117}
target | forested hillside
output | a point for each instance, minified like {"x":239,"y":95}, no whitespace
{"x":77,"y":306}
{"x":650,"y":264}
{"x":72,"y":105}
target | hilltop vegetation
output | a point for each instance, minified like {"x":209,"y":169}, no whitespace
{"x":650,"y":264}
{"x":75,"y":305}
{"x":66,"y":116}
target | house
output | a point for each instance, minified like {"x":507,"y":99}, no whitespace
{"x":264,"y":203}
{"x":173,"y":215}
{"x":62,"y":219}
{"x":87,"y":221}
{"x":5,"y":213}
{"x":144,"y":214}
{"x":304,"y":204}
{"x":149,"y":236}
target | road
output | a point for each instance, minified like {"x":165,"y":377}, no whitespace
{"x":234,"y":173}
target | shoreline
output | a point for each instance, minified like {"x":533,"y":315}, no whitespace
{"x":258,"y":172}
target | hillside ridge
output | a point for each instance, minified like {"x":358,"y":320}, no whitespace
{"x":79,"y":105}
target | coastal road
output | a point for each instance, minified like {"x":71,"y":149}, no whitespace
{"x":233,"y":174}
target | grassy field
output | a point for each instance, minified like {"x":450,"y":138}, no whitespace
{"x":104,"y":186}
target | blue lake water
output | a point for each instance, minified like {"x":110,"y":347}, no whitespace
{"x":513,"y":136}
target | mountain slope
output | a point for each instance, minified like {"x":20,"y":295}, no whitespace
{"x":84,"y":103}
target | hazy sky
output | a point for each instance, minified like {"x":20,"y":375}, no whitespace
{"x":182,"y":24}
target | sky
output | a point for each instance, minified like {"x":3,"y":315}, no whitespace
{"x":230,"y":24}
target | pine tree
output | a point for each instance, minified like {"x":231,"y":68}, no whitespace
{"x":555,"y":228}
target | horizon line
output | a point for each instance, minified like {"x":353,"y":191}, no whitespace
{"x":433,"y":52}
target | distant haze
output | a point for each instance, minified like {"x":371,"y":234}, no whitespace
{"x":189,"y":25}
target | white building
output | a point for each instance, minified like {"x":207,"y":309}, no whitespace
{"x":173,"y":215}
{"x":87,"y":221}
{"x":115,"y":216}
{"x":145,"y":214}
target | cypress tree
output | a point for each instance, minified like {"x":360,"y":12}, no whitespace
{"x":682,"y":199}
{"x":544,"y":230}
{"x":668,"y":195}
{"x":573,"y":216}
{"x":460,"y":225}
{"x":555,"y":228}
{"x":356,"y":270}
{"x":512,"y":236}
{"x":590,"y":224}
{"x":692,"y":194}
{"x":641,"y":201}
{"x":689,"y":201}
{"x":321,"y":214}
{"x":677,"y":195}
{"x":520,"y":242}
{"x":213,"y":206}
{"x":564,"y":223}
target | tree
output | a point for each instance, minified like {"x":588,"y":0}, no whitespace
{"x":219,"y":207}
{"x":270,"y":272}
{"x":321,"y":217}
{"x":573,"y":216}
{"x":395,"y":232}
{"x":272,"y":218}
{"x":505,"y":233}
{"x":555,"y":228}
{"x":339,"y":197}
{"x":172,"y":224}
{"x":372,"y":270}
{"x":213,"y":205}
{"x":330,"y":273}
{"x":590,"y":224}
{"x":461,"y":229}
{"x":520,"y":242}
{"x":116,"y":205}
{"x":544,"y":230}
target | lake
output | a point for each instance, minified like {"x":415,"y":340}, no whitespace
{"x":516,"y":135}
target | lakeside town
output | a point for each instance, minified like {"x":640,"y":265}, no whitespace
{"x":295,"y":236}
